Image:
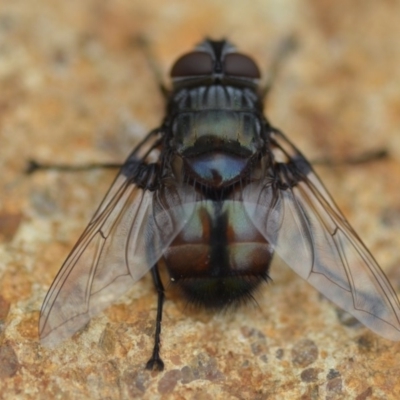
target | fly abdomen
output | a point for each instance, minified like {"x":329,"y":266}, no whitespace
{"x":219,"y":258}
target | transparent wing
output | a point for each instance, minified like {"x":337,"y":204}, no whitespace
{"x":313,"y":237}
{"x":124,"y":239}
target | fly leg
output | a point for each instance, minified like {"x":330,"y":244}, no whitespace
{"x":366,"y":157}
{"x":153,"y":65}
{"x":155,"y":362}
{"x":286,"y":47}
{"x":151,"y":141}
{"x":34,"y":166}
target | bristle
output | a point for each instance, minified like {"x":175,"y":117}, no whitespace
{"x":220,"y":293}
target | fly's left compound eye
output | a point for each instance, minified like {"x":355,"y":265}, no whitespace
{"x":193,"y":64}
{"x":236,"y":64}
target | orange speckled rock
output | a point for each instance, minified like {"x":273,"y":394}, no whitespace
{"x":75,"y":88}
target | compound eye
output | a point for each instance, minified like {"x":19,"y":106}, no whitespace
{"x":240,"y":65}
{"x":193,"y":64}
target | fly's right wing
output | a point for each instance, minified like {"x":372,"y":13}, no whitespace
{"x":296,"y":215}
{"x":124,"y":239}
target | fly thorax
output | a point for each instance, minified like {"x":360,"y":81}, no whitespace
{"x":217,"y":134}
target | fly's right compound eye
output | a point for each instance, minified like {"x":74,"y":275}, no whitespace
{"x":236,"y":64}
{"x":193,"y":64}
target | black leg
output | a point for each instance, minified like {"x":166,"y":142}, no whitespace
{"x":361,"y":158}
{"x":34,"y":166}
{"x":140,"y":152}
{"x":155,"y":362}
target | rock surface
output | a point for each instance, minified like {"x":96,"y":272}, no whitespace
{"x":75,"y":88}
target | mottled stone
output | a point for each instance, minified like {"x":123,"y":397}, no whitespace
{"x":279,"y":354}
{"x":310,"y":374}
{"x":107,"y":340}
{"x":76,"y":88}
{"x":364,"y":395}
{"x":205,"y":367}
{"x":335,"y":385}
{"x":252,"y":332}
{"x":9,"y":363}
{"x":187,"y":375}
{"x":136,"y":382}
{"x":4,"y":308}
{"x":347,"y":319}
{"x":264,"y":358}
{"x":258,"y":347}
{"x":9,"y":223}
{"x":304,"y":353}
{"x":332,"y":374}
{"x":366,"y":342}
{"x":168,"y":382}
{"x":312,"y":393}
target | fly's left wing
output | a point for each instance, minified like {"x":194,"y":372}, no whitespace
{"x":294,"y":212}
{"x":124,"y":239}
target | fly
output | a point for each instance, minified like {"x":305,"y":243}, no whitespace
{"x":213,"y":193}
